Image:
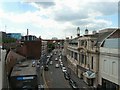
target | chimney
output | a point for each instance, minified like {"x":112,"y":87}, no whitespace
{"x":27,"y":32}
{"x":78,"y":31}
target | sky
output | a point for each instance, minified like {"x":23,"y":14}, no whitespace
{"x":57,"y":18}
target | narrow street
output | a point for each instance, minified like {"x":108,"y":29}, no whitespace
{"x":54,"y":77}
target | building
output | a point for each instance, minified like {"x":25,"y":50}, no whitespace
{"x":28,"y":38}
{"x":66,"y":42}
{"x":3,"y":73}
{"x":44,"y":49}
{"x":30,"y":49}
{"x":71,"y":51}
{"x":2,"y":36}
{"x":110,"y":61}
{"x":14,"y":35}
{"x":24,"y":75}
{"x":88,"y":59}
{"x":83,"y":55}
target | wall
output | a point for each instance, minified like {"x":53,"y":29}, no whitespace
{"x":3,"y":79}
{"x":11,"y":59}
{"x":109,"y":62}
{"x":30,"y":49}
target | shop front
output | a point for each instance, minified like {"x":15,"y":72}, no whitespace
{"x":107,"y":85}
{"x":89,"y":78}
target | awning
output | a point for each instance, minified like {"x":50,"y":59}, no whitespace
{"x":89,"y":74}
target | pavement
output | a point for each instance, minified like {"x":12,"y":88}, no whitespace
{"x":80,"y":83}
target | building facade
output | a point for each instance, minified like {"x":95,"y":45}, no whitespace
{"x":14,"y":35}
{"x":3,"y":74}
{"x":84,"y":55}
{"x":2,"y":36}
{"x":110,"y":61}
{"x":44,"y":48}
{"x":28,"y":38}
{"x":88,"y":59}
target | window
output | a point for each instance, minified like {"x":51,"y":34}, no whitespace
{"x":82,"y":58}
{"x":85,"y":43}
{"x":112,"y":43}
{"x":75,"y":56}
{"x":85,"y":59}
{"x":114,"y":68}
{"x":79,"y":58}
{"x":72,"y":54}
{"x":92,"y":44}
{"x":92,"y":63}
{"x":105,"y":65}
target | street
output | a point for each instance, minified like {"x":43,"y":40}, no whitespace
{"x":54,"y":76}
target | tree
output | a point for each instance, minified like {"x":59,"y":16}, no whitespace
{"x":51,"y":46}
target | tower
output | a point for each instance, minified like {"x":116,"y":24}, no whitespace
{"x":86,"y":31}
{"x":78,"y":31}
{"x":27,"y":32}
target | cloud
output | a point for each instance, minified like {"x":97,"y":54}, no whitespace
{"x":92,"y":22}
{"x":86,"y":10}
{"x":61,"y":18}
{"x":69,"y":15}
{"x":45,"y":4}
{"x":106,"y":8}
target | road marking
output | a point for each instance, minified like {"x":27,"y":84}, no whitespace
{"x":45,"y":80}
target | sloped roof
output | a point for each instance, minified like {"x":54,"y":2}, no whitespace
{"x":102,"y":36}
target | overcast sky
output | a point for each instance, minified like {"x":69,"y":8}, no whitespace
{"x":57,"y":18}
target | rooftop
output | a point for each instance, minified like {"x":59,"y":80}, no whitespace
{"x":24,"y":68}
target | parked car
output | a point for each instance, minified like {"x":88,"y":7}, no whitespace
{"x":67,"y":76}
{"x":60,"y":57}
{"x":38,"y":65}
{"x":46,"y":68}
{"x":48,"y":56}
{"x":73,"y":84}
{"x":60,"y":60}
{"x":55,"y":53}
{"x":33,"y":65}
{"x":57,"y":65}
{"x":56,"y":59}
{"x":40,"y":87}
{"x":61,"y":65}
{"x":51,"y":62}
{"x":64,"y":69}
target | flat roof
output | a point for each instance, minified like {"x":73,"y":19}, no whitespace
{"x":24,"y":68}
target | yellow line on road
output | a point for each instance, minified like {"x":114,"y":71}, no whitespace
{"x":45,"y":80}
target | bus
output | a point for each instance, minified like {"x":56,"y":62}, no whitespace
{"x":24,"y":76}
